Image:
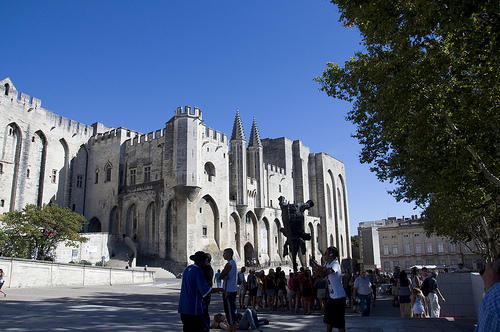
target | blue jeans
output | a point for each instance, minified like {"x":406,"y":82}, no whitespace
{"x":366,"y":302}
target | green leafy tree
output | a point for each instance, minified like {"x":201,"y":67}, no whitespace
{"x":426,"y":103}
{"x":355,"y":241}
{"x":40,"y":228}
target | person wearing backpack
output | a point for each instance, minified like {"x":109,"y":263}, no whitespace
{"x":242,"y":287}
{"x":252,"y":289}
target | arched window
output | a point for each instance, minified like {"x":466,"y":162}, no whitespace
{"x":107,"y":170}
{"x":7,"y":89}
{"x":96,"y":176}
{"x":209,"y":171}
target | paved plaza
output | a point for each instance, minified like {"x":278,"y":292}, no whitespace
{"x":153,"y":307}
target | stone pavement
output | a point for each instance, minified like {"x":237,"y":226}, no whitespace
{"x":153,"y":307}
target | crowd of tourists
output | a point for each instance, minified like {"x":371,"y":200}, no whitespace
{"x":318,"y":288}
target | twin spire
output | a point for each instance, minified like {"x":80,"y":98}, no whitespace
{"x":239,"y":134}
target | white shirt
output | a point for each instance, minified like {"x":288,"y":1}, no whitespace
{"x":334,"y":281}
{"x":230,"y":285}
{"x":363,"y":285}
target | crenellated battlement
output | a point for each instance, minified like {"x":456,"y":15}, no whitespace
{"x":215,"y":135}
{"x":7,"y":90}
{"x":275,"y":169}
{"x":32,"y":106}
{"x":143,"y":138}
{"x":189,"y":111}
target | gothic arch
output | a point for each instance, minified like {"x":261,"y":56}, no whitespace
{"x":346,"y":215}
{"x":234,"y":229}
{"x":62,"y":168}
{"x":312,"y":242}
{"x":251,"y":229}
{"x":278,"y":238}
{"x":208,"y":216}
{"x":108,"y":168}
{"x":170,"y":228}
{"x":265,"y":238}
{"x":209,"y":171}
{"x":7,"y":89}
{"x":150,"y":225}
{"x":95,"y":225}
{"x":250,"y":253}
{"x":329,"y":201}
{"x":131,"y":224}
{"x":319,"y":238}
{"x":114,"y":221}
{"x":12,"y":153}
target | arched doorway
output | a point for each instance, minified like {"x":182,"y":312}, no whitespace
{"x":94,"y":225}
{"x":250,"y":254}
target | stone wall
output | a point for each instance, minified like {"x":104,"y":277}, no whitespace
{"x":463,"y":293}
{"x":21,"y":273}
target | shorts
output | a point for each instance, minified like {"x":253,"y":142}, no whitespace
{"x":280,"y":292}
{"x":192,"y":323}
{"x":395,"y":291}
{"x":294,"y":294}
{"x":335,"y":313}
{"x":252,"y":292}
{"x":321,"y":293}
{"x":242,"y":289}
{"x":230,"y":308}
{"x":259,"y":292}
{"x":307,"y":298}
{"x":271,"y":292}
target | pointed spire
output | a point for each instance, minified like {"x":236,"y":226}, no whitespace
{"x":254,"y":136}
{"x":237,"y":128}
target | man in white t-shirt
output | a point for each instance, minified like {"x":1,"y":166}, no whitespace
{"x":335,"y":306}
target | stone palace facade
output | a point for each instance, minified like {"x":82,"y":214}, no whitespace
{"x":182,"y":188}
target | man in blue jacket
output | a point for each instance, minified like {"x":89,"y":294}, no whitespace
{"x":194,"y":288}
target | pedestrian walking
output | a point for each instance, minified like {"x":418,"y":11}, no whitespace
{"x":2,"y":281}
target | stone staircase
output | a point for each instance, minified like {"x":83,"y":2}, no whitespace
{"x":120,"y":258}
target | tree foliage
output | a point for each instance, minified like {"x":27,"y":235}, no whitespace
{"x":426,"y":103}
{"x":355,"y":241}
{"x":41,"y":227}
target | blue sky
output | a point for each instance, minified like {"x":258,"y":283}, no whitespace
{"x":131,"y":64}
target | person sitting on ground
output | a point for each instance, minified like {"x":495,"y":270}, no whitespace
{"x":249,"y":320}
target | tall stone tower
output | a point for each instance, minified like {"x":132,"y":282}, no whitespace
{"x":256,"y":163}
{"x":238,"y":164}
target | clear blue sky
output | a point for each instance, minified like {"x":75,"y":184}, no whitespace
{"x":131,"y":64}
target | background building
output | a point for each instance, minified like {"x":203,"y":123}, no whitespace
{"x":168,"y":193}
{"x":402,"y":242}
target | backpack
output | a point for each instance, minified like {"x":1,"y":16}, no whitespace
{"x":296,"y":285}
{"x":425,"y":287}
{"x":239,"y":279}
